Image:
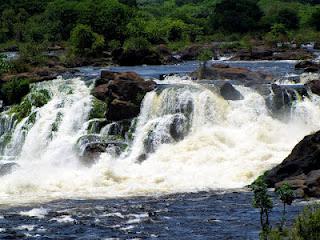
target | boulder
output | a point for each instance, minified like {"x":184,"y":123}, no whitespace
{"x":301,"y":168}
{"x":228,"y":92}
{"x":225,"y":72}
{"x":123,"y":92}
{"x":191,"y":53}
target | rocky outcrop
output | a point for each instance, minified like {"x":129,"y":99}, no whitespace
{"x":314,"y":86}
{"x":225,"y":72}
{"x":228,"y":92}
{"x":308,"y":66}
{"x":301,"y":168}
{"x":123,"y":92}
{"x":272,"y":54}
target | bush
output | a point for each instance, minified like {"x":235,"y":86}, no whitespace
{"x":84,"y":42}
{"x":289,"y":18}
{"x":315,"y":20}
{"x":32,"y":52}
{"x":14,"y":90}
{"x":307,"y":225}
{"x":236,"y":16}
{"x":5,"y":66}
{"x":136,"y":43}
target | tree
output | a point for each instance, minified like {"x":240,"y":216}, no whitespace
{"x":315,"y":20}
{"x":85,"y":42}
{"x":289,"y":18}
{"x":236,"y":16}
{"x":286,"y":195}
{"x":262,"y":201}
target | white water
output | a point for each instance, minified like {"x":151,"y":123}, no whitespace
{"x":229,"y":144}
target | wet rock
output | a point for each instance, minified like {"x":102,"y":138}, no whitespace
{"x":228,"y":92}
{"x":123,"y":92}
{"x":224,"y":72}
{"x":119,"y":110}
{"x":7,"y":168}
{"x":314,"y":86}
{"x":91,"y":146}
{"x":308,"y":66}
{"x":301,"y":168}
{"x":282,"y":96}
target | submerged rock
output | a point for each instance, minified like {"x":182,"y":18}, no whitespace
{"x":7,"y":168}
{"x":123,"y":92}
{"x":301,"y":168}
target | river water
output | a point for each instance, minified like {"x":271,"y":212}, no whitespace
{"x":200,"y":152}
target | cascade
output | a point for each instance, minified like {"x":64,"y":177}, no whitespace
{"x":186,"y":138}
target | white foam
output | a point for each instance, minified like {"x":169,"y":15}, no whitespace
{"x":35,"y":212}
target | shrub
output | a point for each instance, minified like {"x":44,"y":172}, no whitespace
{"x":236,"y":15}
{"x":84,"y":42}
{"x":315,"y":20}
{"x":136,"y":43}
{"x":14,"y":90}
{"x":5,"y":66}
{"x":289,"y":18}
{"x":307,"y":225}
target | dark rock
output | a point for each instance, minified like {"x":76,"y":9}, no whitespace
{"x":91,"y":146}
{"x":228,"y":92}
{"x":123,"y":92}
{"x":308,"y":66}
{"x":265,"y":53}
{"x":191,"y":53}
{"x":223,"y":72}
{"x":314,"y":86}
{"x":301,"y":166}
{"x":119,"y":110}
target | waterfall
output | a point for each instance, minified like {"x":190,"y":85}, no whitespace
{"x":186,"y":138}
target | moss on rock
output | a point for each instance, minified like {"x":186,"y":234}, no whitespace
{"x":98,"y":109}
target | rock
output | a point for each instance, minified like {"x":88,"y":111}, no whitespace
{"x":223,"y":72}
{"x":265,"y":53}
{"x":314,"y":86}
{"x":136,"y":57}
{"x":282,"y":96}
{"x":7,"y":168}
{"x":228,"y":92}
{"x":119,"y":110}
{"x":191,"y":53}
{"x":123,"y":92}
{"x":301,"y":167}
{"x":91,"y":146}
{"x":308,"y":66}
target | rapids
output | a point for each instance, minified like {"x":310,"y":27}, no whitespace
{"x":192,"y":140}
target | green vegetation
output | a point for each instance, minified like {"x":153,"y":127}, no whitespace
{"x":307,"y":225}
{"x":35,"y":99}
{"x":13,"y":91}
{"x":263,"y":201}
{"x":89,"y":27}
{"x":286,"y":195}
{"x":98,"y":109}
